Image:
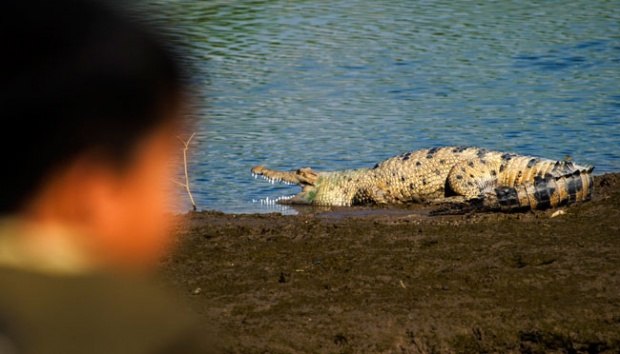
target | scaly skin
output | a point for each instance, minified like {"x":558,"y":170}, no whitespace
{"x":491,"y":180}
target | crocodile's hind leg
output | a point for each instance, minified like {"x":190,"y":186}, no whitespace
{"x":469,"y":184}
{"x":472,"y":179}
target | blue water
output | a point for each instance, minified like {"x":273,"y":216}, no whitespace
{"x":348,"y":83}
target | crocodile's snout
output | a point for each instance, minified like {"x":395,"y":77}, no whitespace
{"x":258,"y":170}
{"x":302,"y":177}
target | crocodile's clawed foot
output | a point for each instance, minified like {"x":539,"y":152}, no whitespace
{"x":456,"y":206}
{"x":455,"y":209}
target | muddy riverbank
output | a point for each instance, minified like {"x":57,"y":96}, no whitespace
{"x":396,"y":280}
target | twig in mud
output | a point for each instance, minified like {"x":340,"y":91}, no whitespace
{"x":186,"y":184}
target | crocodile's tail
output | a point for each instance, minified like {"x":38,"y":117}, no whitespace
{"x":548,"y":191}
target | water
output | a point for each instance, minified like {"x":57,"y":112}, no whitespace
{"x":348,"y":83}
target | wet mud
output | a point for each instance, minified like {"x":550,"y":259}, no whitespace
{"x":398,"y":280}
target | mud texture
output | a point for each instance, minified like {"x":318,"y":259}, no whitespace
{"x":397,"y":280}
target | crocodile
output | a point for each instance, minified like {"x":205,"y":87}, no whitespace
{"x":464,"y":175}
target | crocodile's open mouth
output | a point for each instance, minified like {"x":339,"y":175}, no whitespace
{"x":272,"y":201}
{"x":303,"y":177}
{"x":271,"y":180}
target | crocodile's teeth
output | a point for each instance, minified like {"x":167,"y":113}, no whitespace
{"x":284,"y":197}
{"x":273,"y":180}
{"x":268,"y":201}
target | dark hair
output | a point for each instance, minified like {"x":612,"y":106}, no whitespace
{"x":77,"y":76}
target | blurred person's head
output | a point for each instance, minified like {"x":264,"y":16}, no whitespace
{"x":91,"y":102}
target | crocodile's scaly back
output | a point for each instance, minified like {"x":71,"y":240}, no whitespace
{"x":489,"y":179}
{"x":420,"y":175}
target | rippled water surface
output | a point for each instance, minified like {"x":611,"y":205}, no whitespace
{"x":345,"y":84}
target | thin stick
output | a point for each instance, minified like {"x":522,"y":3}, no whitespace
{"x":186,"y":184}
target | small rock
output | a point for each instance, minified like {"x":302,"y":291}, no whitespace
{"x":558,"y":213}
